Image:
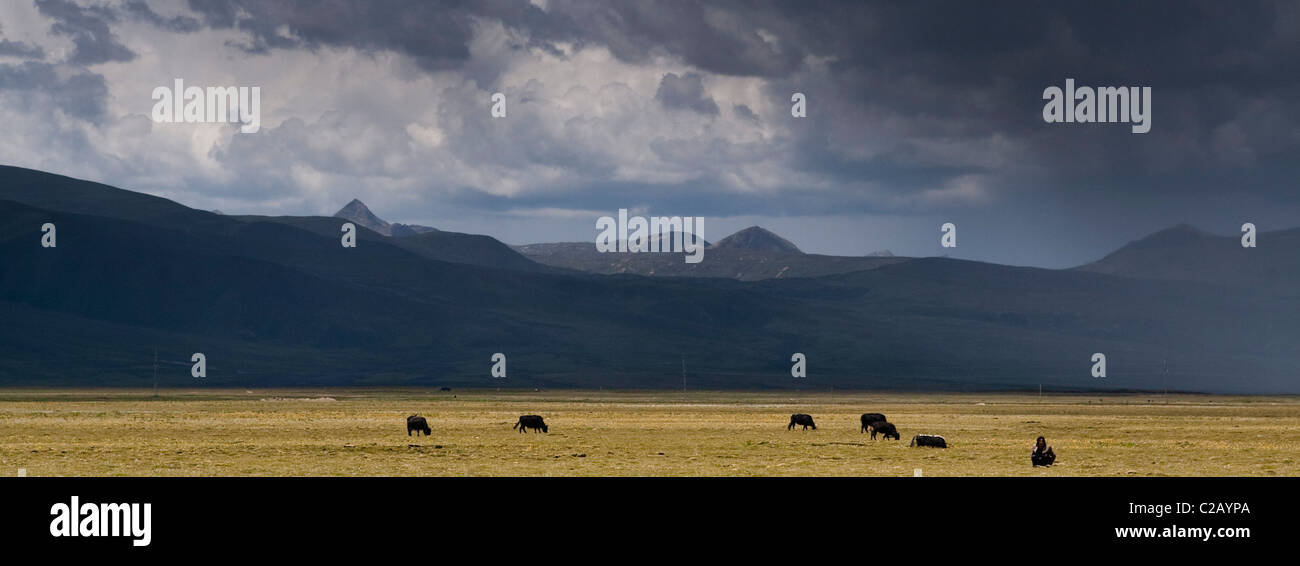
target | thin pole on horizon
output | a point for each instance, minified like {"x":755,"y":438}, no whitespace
{"x":1164,"y":374}
{"x":155,"y":372}
{"x":683,"y":373}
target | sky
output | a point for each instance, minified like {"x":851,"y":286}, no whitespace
{"x":917,"y":114}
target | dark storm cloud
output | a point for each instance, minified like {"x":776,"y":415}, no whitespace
{"x":436,"y":35}
{"x":93,"y":41}
{"x":19,"y":49}
{"x":960,"y":71}
{"x":139,"y":10}
{"x":722,"y":40}
{"x":744,"y":111}
{"x":685,"y":91}
{"x":955,"y":81}
{"x":913,"y":107}
{"x":79,"y":94}
{"x":89,"y":28}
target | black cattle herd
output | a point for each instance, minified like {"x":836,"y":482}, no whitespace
{"x":875,"y":423}
{"x":872,"y":422}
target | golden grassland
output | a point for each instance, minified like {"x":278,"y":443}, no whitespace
{"x":361,"y":432}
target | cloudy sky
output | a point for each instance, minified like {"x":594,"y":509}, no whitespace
{"x":918,"y":114}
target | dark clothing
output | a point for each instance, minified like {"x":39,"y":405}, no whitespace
{"x":1044,"y":457}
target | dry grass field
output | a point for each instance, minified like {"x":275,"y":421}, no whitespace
{"x":361,"y":432}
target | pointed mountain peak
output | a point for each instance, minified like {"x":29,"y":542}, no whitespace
{"x":354,"y":208}
{"x":357,"y":211}
{"x":756,"y":238}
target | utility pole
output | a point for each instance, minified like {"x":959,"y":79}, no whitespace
{"x":683,"y":373}
{"x":1164,"y":375}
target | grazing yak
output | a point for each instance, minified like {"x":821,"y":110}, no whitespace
{"x":868,"y":418}
{"x":884,"y":428}
{"x":801,"y":419}
{"x":417,"y":423}
{"x":929,"y":440}
{"x":531,"y":421}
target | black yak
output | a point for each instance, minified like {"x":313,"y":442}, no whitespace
{"x":801,"y":419}
{"x":887,"y":429}
{"x":531,"y":421}
{"x":417,"y":424}
{"x":929,"y":440}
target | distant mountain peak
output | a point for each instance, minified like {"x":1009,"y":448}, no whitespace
{"x":757,"y":238}
{"x":1187,"y":253}
{"x":357,"y":211}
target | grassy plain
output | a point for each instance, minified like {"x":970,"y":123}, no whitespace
{"x":361,"y":432}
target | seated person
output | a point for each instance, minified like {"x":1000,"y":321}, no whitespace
{"x":1042,"y":454}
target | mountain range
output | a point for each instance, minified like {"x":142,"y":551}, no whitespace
{"x":748,"y":255}
{"x":1184,"y":253}
{"x":276,"y":300}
